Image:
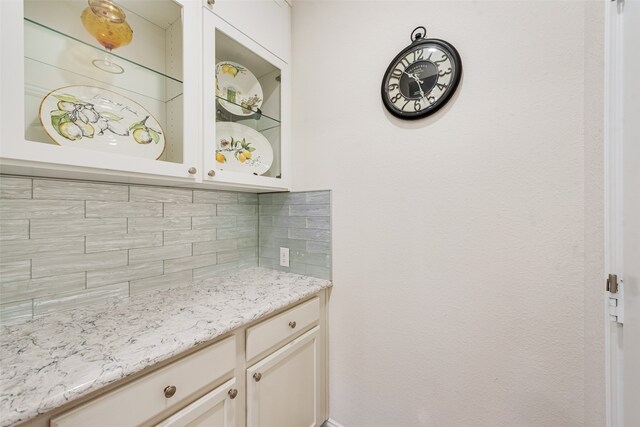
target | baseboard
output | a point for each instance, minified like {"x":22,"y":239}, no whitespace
{"x":331,"y":423}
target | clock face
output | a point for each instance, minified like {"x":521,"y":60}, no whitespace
{"x":421,"y":79}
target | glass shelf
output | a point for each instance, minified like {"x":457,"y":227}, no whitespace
{"x":257,"y":120}
{"x":54,"y":59}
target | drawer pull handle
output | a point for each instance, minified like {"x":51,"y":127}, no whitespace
{"x":233,"y":393}
{"x":292,"y":324}
{"x":211,"y":2}
{"x":169,"y":391}
{"x":212,"y":173}
{"x":257,"y":376}
{"x":193,"y":170}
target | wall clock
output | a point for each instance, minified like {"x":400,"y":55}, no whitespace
{"x":421,"y":78}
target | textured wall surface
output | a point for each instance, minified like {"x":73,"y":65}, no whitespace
{"x":69,"y":243}
{"x":467,"y":246}
{"x":302,"y":223}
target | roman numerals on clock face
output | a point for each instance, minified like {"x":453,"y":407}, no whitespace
{"x":419,"y":78}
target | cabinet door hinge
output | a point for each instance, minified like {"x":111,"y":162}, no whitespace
{"x":615,"y":289}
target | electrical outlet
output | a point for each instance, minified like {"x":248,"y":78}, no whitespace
{"x":284,"y":257}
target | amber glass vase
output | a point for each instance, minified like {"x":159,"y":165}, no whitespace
{"x":106,"y":21}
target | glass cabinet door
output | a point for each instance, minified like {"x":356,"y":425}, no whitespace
{"x":243,"y":109}
{"x":105,"y":79}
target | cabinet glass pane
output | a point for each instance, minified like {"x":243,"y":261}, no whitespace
{"x":247,"y":105}
{"x":78,"y":94}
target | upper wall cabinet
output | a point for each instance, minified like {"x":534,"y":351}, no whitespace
{"x":102,"y":85}
{"x":169,"y":90}
{"x":245,"y":102}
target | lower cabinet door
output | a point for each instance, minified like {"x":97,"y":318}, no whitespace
{"x":283,"y":388}
{"x":215,"y":409}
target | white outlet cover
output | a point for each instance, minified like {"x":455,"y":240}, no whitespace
{"x":284,"y":257}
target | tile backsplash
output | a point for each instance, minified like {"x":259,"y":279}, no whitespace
{"x":300,"y":222}
{"x":70,"y":243}
{"x":65,"y":244}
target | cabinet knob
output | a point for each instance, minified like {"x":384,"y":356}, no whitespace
{"x":292,"y":324}
{"x":211,"y":2}
{"x":193,"y":170}
{"x":169,"y":391}
{"x":257,"y":376}
{"x":233,"y":393}
{"x":212,"y":173}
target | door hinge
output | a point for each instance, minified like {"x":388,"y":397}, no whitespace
{"x":615,"y":288}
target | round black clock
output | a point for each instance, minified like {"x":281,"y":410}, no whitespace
{"x":421,"y":78}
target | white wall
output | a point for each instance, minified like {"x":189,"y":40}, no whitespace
{"x":467,"y":257}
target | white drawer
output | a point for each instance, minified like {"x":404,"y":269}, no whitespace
{"x":145,"y":398}
{"x":281,"y":327}
{"x":267,"y":22}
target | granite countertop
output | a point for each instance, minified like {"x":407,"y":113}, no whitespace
{"x":52,"y":360}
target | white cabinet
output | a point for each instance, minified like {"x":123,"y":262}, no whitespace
{"x":284,"y":388}
{"x":246,"y":106}
{"x":49,"y":55}
{"x":79,"y":101}
{"x":215,"y":409}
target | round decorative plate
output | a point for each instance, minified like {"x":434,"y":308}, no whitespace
{"x":242,"y":149}
{"x":238,"y":85}
{"x":99,"y":119}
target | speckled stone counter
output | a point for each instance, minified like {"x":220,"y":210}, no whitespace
{"x":54,"y":359}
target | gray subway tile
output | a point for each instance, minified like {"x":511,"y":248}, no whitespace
{"x":160,"y":194}
{"x":274,"y":210}
{"x":248,"y":242}
{"x":209,"y":222}
{"x":189,"y":209}
{"x":317,"y":222}
{"x":237,"y":255}
{"x":123,"y":209}
{"x":314,"y":246}
{"x":45,"y":228}
{"x":276,"y":242}
{"x":14,"y":229}
{"x":275,"y":265}
{"x":266,"y":252}
{"x":15,"y":188}
{"x":28,"y":209}
{"x":265,"y":220}
{"x":137,"y":256}
{"x":124,"y":273}
{"x":265,"y":199}
{"x":214,"y":270}
{"x":164,"y":281}
{"x":63,"y":264}
{"x":289,"y":198}
{"x":224,"y":210}
{"x":14,"y":250}
{"x":69,"y":300}
{"x":188,"y":236}
{"x":319,"y":272}
{"x":33,"y":288}
{"x":290,"y":221}
{"x":189,"y":263}
{"x":309,"y":210}
{"x":237,"y":232}
{"x":14,"y":271}
{"x":247,"y":198}
{"x":211,"y":196}
{"x":15,"y":311}
{"x":318,"y":197}
{"x":310,"y":234}
{"x":214,"y":246}
{"x":277,"y":232}
{"x":145,"y":225}
{"x":304,"y":257}
{"x":51,"y":189}
{"x":112,"y":242}
{"x":246,"y":221}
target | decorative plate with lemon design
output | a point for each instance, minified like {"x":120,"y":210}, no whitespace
{"x":239,"y":87}
{"x":99,"y":119}
{"x":242,"y":149}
